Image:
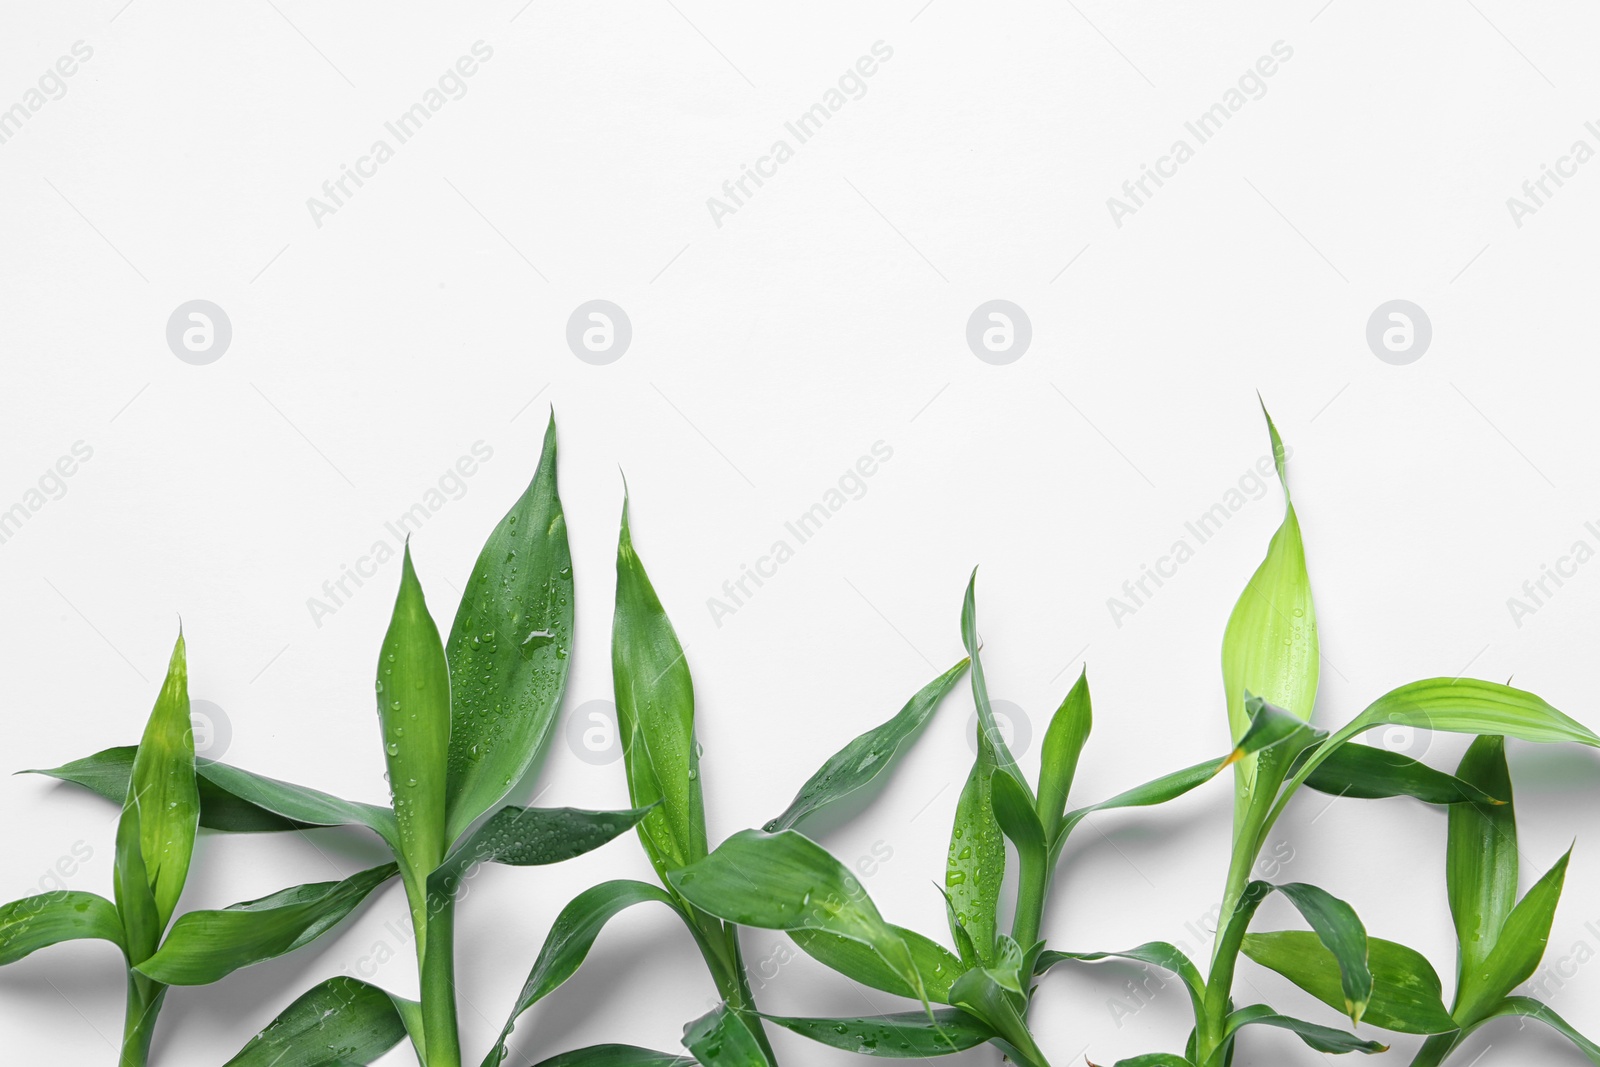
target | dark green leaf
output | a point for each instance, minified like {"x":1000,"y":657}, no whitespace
{"x":301,"y":804}
{"x":976,"y":863}
{"x":1367,"y":773}
{"x":509,"y":647}
{"x":32,"y":923}
{"x":1004,"y":760}
{"x":534,"y":837}
{"x":203,"y":946}
{"x":905,"y":1035}
{"x":1528,"y":1008}
{"x":1406,"y":993}
{"x":1337,"y":926}
{"x":1516,"y":951}
{"x":1155,"y":953}
{"x":1481,"y":864}
{"x":1003,"y":1010}
{"x":569,"y":941}
{"x":868,"y":755}
{"x":617,"y":1056}
{"x":934,"y":963}
{"x":1058,"y":760}
{"x":341,"y":1021}
{"x":414,"y":707}
{"x":1150,"y":1059}
{"x":655,"y":715}
{"x":958,"y":932}
{"x":1321,"y":1038}
{"x":723,"y":1038}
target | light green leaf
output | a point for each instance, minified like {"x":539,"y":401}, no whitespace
{"x":976,"y":863}
{"x":203,"y":946}
{"x":655,"y":714}
{"x":904,"y":1035}
{"x":934,"y":964}
{"x":413,"y":690}
{"x":155,"y":835}
{"x":32,"y":923}
{"x":570,"y":938}
{"x":1481,"y":865}
{"x":868,"y":755}
{"x":1155,"y":953}
{"x":339,"y":1022}
{"x":1015,"y":812}
{"x":1063,"y":744}
{"x":785,"y":881}
{"x":1270,"y":645}
{"x":1516,"y":951}
{"x":509,"y":647}
{"x":723,"y":1038}
{"x":1406,"y":993}
{"x":1321,"y":1038}
{"x":1470,"y":706}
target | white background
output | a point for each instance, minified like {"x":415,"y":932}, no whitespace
{"x":769,"y":353}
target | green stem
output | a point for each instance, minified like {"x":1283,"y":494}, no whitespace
{"x":433,"y":920}
{"x":1436,"y":1049}
{"x":719,"y":944}
{"x":1033,"y":886}
{"x":139,"y":1021}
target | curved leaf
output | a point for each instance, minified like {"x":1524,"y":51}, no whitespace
{"x":866,"y":756}
{"x":1528,"y":1008}
{"x":1160,"y":954}
{"x":570,"y":938}
{"x":655,"y":715}
{"x":934,"y":963}
{"x":1516,"y":951}
{"x":1321,"y":1038}
{"x":723,"y":1038}
{"x":617,"y":1056}
{"x":508,"y":649}
{"x":904,"y":1035}
{"x":1471,"y":706}
{"x":1336,"y":925}
{"x":1058,"y":761}
{"x":1149,"y":1059}
{"x":203,"y":946}
{"x":976,"y":863}
{"x":32,"y":923}
{"x":1406,"y":993}
{"x":1367,"y":773}
{"x":979,"y":994}
{"x":413,"y":689}
{"x":535,"y":837}
{"x":155,"y":834}
{"x":1481,"y":865}
{"x":338,"y":1022}
{"x":305,"y":806}
{"x":1004,"y":760}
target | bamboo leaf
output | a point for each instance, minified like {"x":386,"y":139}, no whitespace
{"x":723,"y":1038}
{"x":508,"y":649}
{"x":1481,"y":865}
{"x":570,"y":938}
{"x":1004,"y":760}
{"x":36,"y":922}
{"x":904,"y":1035}
{"x":934,"y":964}
{"x":302,"y":805}
{"x":1155,"y":953}
{"x":1336,"y":925}
{"x":958,"y":931}
{"x":1353,"y":770}
{"x":413,"y":689}
{"x":1321,"y":1038}
{"x":1528,"y":1008}
{"x":155,"y":834}
{"x":1270,"y":645}
{"x":204,"y":946}
{"x":1517,"y":950}
{"x":339,"y":1022}
{"x":617,"y":1056}
{"x":979,"y":994}
{"x":1471,"y":706}
{"x":535,"y":837}
{"x":1063,"y":744}
{"x":655,"y":715}
{"x":868,"y":755}
{"x":1149,"y":1059}
{"x":785,"y":881}
{"x":1406,"y":993}
{"x":976,"y":863}
{"x":1014,"y":811}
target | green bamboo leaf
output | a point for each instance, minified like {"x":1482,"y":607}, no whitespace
{"x":535,"y":837}
{"x":570,"y":938}
{"x":1004,"y":760}
{"x":32,"y":923}
{"x":1058,"y":761}
{"x":1353,"y":770}
{"x":339,"y":1022}
{"x":1406,"y":993}
{"x":976,"y":863}
{"x":723,"y":1038}
{"x":1470,"y":706}
{"x":785,"y":881}
{"x":1014,"y":811}
{"x":204,"y":946}
{"x":1155,"y":953}
{"x":868,"y":755}
{"x":958,"y":931}
{"x":1336,"y":925}
{"x":905,"y":1035}
{"x":934,"y":964}
{"x":508,"y":649}
{"x":655,"y":715}
{"x":1270,"y":645}
{"x":617,"y":1056}
{"x":1528,"y":1008}
{"x":413,"y":689}
{"x":1149,"y":1059}
{"x":302,"y":805}
{"x":155,"y":835}
{"x":980,"y":995}
{"x":1481,"y":865}
{"x":1517,"y":950}
{"x":1321,"y":1038}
